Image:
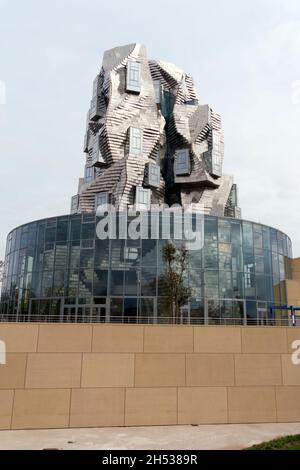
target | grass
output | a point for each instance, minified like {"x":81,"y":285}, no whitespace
{"x":282,"y":443}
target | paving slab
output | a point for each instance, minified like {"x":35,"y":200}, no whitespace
{"x":206,"y":437}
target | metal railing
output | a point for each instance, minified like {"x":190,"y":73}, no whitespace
{"x":148,"y":320}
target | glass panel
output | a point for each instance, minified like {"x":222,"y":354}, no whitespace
{"x":236,"y":234}
{"x":100,"y":282}
{"x":47,"y":284}
{"x":116,"y":282}
{"x":259,"y":264}
{"x":197,"y":311}
{"x":61,"y":252}
{"x":87,"y":258}
{"x":238,"y":311}
{"x":117,"y":252}
{"x":133,"y":252}
{"x":132,"y":279}
{"x":258,"y":238}
{"x":58,"y":283}
{"x":237,"y":258}
{"x":225,"y":258}
{"x":211,"y":243}
{"x":274,"y":246}
{"x":261,"y":288}
{"x":116,"y":310}
{"x":148,"y":281}
{"x":224,"y":231}
{"x":62,"y":230}
{"x":247,"y":236}
{"x":226,"y":310}
{"x":249,"y":280}
{"x":74,"y":255}
{"x":225,"y":284}
{"x":75,"y":228}
{"x":49,"y":255}
{"x":266,"y":239}
{"x":149,"y":252}
{"x":213,"y":308}
{"x":211,"y":284}
{"x":251,"y":312}
{"x":50,"y":234}
{"x":130,"y":310}
{"x":267,"y":262}
{"x":196,"y":282}
{"x":147,"y":310}
{"x":102,"y":253}
{"x":85,"y":283}
{"x":237,"y":285}
{"x":88,"y":230}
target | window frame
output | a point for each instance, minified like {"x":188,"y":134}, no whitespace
{"x":133,"y":76}
{"x":180,"y":167}
{"x":102,"y":194}
{"x":153,"y":178}
{"x":74,"y":210}
{"x":136,"y":150}
{"x":142,"y":204}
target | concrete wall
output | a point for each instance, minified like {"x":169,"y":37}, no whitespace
{"x":84,"y":375}
{"x":293,"y":286}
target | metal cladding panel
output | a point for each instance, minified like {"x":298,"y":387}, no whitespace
{"x":158,"y":98}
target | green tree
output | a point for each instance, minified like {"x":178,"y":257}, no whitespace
{"x":176,"y":292}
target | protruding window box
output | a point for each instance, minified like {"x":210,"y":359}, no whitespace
{"x":86,"y":142}
{"x":182,"y":163}
{"x":101,"y":200}
{"x":75,"y":204}
{"x":94,"y":112}
{"x":87,"y":134}
{"x":95,"y":109}
{"x":133,"y":76}
{"x":135,"y":141}
{"x":216,"y":154}
{"x":97,"y":158}
{"x":142,"y":198}
{"x":89,"y":174}
{"x":152,"y":175}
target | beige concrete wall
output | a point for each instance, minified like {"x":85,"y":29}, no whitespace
{"x":60,"y":375}
{"x":293,"y":286}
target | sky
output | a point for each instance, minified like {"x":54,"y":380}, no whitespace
{"x":245,"y":61}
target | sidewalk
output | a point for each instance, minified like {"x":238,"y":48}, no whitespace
{"x":229,"y":436}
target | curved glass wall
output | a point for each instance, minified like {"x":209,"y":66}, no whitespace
{"x":58,"y":270}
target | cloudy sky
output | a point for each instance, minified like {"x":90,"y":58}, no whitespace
{"x":245,"y":60}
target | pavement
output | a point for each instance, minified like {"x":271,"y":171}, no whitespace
{"x":202,"y":437}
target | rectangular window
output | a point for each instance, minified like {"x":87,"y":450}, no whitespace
{"x":136,"y":141}
{"x":101,"y":199}
{"x":74,"y":204}
{"x":143,"y":198}
{"x":87,"y":134}
{"x":153,"y":175}
{"x":217,"y":154}
{"x":89,"y":174}
{"x":133,"y":79}
{"x":182,"y":162}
